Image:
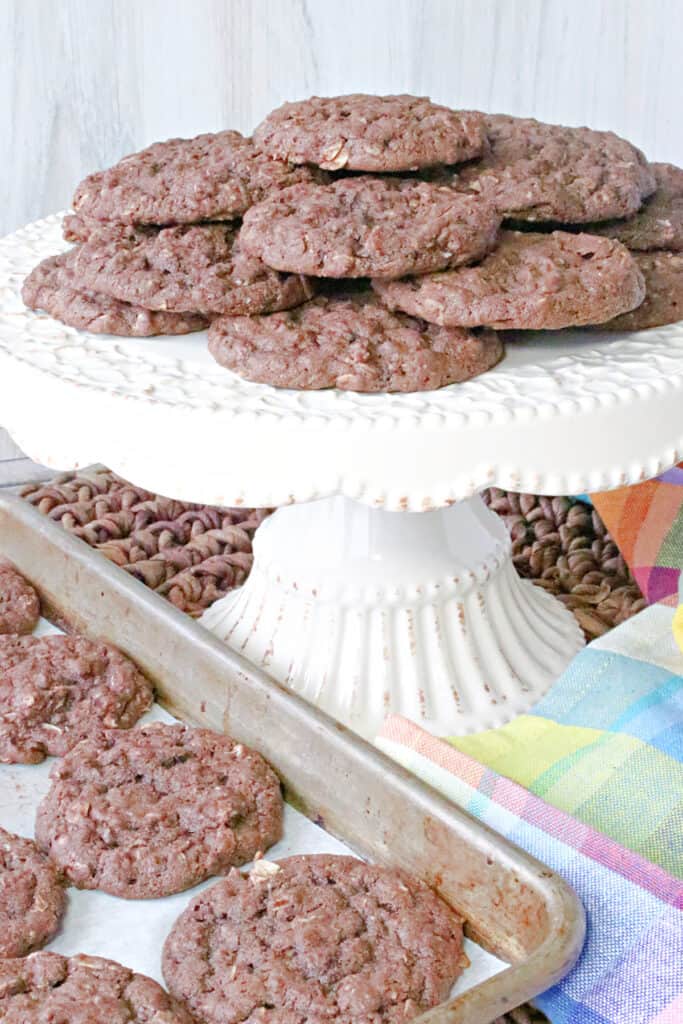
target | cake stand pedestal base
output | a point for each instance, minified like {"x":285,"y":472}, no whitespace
{"x":366,"y":612}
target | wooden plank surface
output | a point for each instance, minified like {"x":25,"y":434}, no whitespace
{"x":84,"y":81}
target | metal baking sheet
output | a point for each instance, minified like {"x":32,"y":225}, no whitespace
{"x":343,"y":795}
{"x":103,"y":925}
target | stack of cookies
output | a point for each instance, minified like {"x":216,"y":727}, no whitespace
{"x":371,"y":243}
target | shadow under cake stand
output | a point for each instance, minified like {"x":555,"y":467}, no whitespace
{"x":382,"y":583}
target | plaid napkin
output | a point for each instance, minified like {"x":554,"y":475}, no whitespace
{"x":591,"y":782}
{"x":647,"y":523}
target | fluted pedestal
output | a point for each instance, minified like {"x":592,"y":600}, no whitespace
{"x":366,"y":612}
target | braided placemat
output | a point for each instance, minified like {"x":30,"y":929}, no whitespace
{"x":194,"y":554}
{"x":563,"y":545}
{"x":191,"y":554}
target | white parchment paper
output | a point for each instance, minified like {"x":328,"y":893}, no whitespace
{"x":133,"y":931}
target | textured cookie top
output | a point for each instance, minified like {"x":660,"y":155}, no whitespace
{"x":536,"y":171}
{"x":371,"y":133}
{"x":47,"y":988}
{"x":201,"y":268}
{"x":77,"y":229}
{"x":158,"y":809}
{"x":659,"y":223}
{"x":311,"y":940}
{"x":55,"y":690}
{"x":31,"y":896}
{"x":352,"y":342}
{"x":210,"y":177}
{"x":369,"y":227}
{"x":530,"y":281}
{"x":663,"y":303}
{"x":19,"y":603}
{"x":54,"y":287}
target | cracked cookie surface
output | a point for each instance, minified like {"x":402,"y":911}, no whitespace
{"x":158,"y":809}
{"x":210,"y":177}
{"x":350,"y":341}
{"x":369,"y":227}
{"x":659,"y":223}
{"x":530,"y":281}
{"x":54,"y":287}
{"x":47,"y":987}
{"x":314,"y":939}
{"x":56,"y":690}
{"x":198,"y":267}
{"x":371,"y":133}
{"x":536,"y":171}
{"x":663,"y":303}
{"x":32,"y":896}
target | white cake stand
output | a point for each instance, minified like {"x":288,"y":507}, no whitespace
{"x":388,"y":586}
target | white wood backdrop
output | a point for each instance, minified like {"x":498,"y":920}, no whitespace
{"x":84,"y":81}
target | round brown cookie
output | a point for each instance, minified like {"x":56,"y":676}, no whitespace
{"x":663,"y":304}
{"x":53,"y":287}
{"x":313,"y":939}
{"x":31,"y":896}
{"x":371,"y":133}
{"x":199,"y":267}
{"x":536,"y":171}
{"x":530,"y":282}
{"x":56,"y":690}
{"x":47,"y":988}
{"x":659,"y":224}
{"x":158,"y":809}
{"x":19,"y":603}
{"x":369,"y":227}
{"x":180,"y":181}
{"x":353,"y":342}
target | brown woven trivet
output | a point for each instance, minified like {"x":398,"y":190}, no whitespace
{"x":191,"y":554}
{"x":194,"y":554}
{"x":563,"y":545}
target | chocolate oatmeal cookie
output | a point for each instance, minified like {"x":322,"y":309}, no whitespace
{"x":56,"y":690}
{"x":158,"y":809}
{"x":19,"y":603}
{"x":31,"y":896}
{"x":361,"y":132}
{"x":659,"y":223}
{"x":529,"y":282}
{"x":663,"y":304}
{"x":54,"y":287}
{"x":47,"y":988}
{"x":369,"y":227}
{"x":539,"y":172}
{"x":180,"y":181}
{"x":352,"y":342}
{"x":311,"y":940}
{"x":198,"y":267}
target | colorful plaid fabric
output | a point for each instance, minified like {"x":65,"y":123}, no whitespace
{"x":646,"y":522}
{"x":606,"y":743}
{"x":592,"y":784}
